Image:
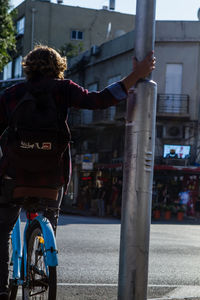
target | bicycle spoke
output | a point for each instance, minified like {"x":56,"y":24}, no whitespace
{"x":12,"y":284}
{"x":41,"y":279}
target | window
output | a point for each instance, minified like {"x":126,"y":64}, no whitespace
{"x":93,"y":87}
{"x":159,"y":131}
{"x":7,"y":71}
{"x":114,"y":79}
{"x":76,"y":35}
{"x":112,"y":110}
{"x":80,"y":35}
{"x":173,"y":81}
{"x":87,"y":114}
{"x":173,"y":87}
{"x":18,"y":67}
{"x":20,"y":25}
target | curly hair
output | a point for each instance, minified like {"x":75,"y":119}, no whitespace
{"x":44,"y":61}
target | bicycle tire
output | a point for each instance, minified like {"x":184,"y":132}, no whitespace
{"x":13,"y":288}
{"x":40,"y":284}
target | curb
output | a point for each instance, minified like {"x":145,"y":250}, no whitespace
{"x":78,"y":212}
{"x":187,"y":298}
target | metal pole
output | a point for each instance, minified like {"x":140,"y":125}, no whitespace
{"x":138,"y":168}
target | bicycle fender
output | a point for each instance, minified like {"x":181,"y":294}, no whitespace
{"x":17,"y":249}
{"x":25,"y":249}
{"x":49,"y":241}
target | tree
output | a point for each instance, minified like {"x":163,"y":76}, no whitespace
{"x":70,"y":50}
{"x":7,"y":33}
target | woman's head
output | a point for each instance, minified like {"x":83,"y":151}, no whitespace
{"x":44,"y":61}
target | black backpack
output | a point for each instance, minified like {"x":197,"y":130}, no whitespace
{"x":37,"y":141}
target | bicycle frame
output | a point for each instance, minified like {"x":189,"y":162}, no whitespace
{"x":51,"y":258}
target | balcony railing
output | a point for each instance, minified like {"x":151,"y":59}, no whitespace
{"x":177,"y":104}
{"x":104,"y":116}
{"x":87,"y":118}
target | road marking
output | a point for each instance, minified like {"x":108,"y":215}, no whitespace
{"x":115,"y":284}
{"x":87,"y":284}
{"x":166,"y":285}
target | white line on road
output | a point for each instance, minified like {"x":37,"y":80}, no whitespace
{"x":86,"y":284}
{"x":115,"y":284}
{"x":167,"y":285}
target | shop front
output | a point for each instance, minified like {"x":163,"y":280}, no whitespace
{"x":97,"y":186}
{"x":176,"y":189}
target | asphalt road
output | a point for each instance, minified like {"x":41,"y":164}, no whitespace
{"x":89,"y":253}
{"x":174,"y":265}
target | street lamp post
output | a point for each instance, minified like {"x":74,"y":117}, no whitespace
{"x":138,"y":168}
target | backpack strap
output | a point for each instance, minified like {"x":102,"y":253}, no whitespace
{"x":27,"y":97}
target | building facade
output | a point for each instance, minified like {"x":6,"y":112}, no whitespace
{"x":58,"y":25}
{"x":100,"y":135}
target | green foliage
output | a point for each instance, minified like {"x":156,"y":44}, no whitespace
{"x":156,"y":206}
{"x":169,"y":208}
{"x":70,"y":50}
{"x":181,"y":208}
{"x":7,"y":33}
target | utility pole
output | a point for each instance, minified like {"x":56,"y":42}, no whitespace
{"x":138,"y":167}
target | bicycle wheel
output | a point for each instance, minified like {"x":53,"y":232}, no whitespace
{"x":13,"y":288}
{"x":41,"y":280}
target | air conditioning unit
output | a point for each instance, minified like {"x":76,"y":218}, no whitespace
{"x":173,"y":131}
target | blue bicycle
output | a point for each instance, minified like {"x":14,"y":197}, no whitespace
{"x":33,"y":264}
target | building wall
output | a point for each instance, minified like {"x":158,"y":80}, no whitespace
{"x":176,"y":43}
{"x":114,"y":58}
{"x":187,"y":54}
{"x":54,"y":22}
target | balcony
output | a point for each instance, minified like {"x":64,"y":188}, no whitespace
{"x":104,"y":116}
{"x":173,"y":105}
{"x":171,"y":161}
{"x":111,"y":116}
{"x":80,"y":118}
{"x":86,"y":118}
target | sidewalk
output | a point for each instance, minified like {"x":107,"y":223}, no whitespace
{"x":75,"y":211}
{"x":186,"y":221}
{"x":175,"y":298}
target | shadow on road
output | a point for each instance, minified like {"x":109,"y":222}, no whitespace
{"x":174,"y":221}
{"x":66,"y":219}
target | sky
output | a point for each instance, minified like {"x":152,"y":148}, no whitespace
{"x":165,"y":9}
